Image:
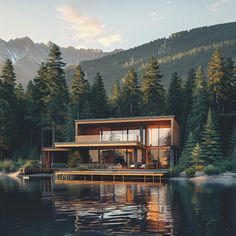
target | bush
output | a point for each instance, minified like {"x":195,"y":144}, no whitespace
{"x":32,"y":164}
{"x":9,"y":165}
{"x":212,"y":170}
{"x":74,"y":159}
{"x":174,"y":171}
{"x":199,"y":167}
{"x":190,"y":172}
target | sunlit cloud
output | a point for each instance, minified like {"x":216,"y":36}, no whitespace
{"x":87,"y":29}
{"x":109,"y":40}
{"x":156,"y":17}
{"x":217,"y":4}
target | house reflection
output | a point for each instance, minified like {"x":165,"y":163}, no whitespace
{"x":119,"y":208}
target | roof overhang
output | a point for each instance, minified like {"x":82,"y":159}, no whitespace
{"x":95,"y":145}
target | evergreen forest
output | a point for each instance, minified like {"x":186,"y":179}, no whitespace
{"x":203,"y":102}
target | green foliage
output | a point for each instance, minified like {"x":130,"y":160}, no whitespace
{"x":130,"y":94}
{"x":234,"y":159}
{"x":74,"y":159}
{"x":216,"y":77}
{"x":115,"y":100}
{"x":212,"y":170}
{"x":79,"y":94}
{"x":196,"y":156}
{"x":175,"y":97}
{"x":32,"y":164}
{"x":99,"y":100}
{"x":174,"y":171}
{"x":199,"y":106}
{"x":10,"y":165}
{"x":190,"y":172}
{"x":55,"y":98}
{"x":211,"y":149}
{"x":153,"y":93}
{"x":186,"y":155}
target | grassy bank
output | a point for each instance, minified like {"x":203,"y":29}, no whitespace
{"x":11,"y":165}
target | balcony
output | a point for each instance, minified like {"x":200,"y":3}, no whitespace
{"x":111,"y":138}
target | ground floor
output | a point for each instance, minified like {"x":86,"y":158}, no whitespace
{"x":135,"y":157}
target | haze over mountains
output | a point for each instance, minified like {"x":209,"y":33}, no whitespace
{"x":27,"y":56}
{"x":179,"y":52}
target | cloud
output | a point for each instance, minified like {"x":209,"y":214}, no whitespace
{"x":87,"y":29}
{"x":109,"y":40}
{"x":156,"y":17}
{"x":217,"y":4}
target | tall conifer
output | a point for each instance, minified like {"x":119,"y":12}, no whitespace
{"x":153,"y":92}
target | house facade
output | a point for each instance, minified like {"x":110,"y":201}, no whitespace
{"x":134,"y":142}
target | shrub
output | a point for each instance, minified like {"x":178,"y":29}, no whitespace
{"x":190,"y":172}
{"x":199,"y":167}
{"x":74,"y":159}
{"x":32,"y":164}
{"x":174,"y":171}
{"x":212,"y":170}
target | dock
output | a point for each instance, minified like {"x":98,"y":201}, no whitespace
{"x":113,"y":175}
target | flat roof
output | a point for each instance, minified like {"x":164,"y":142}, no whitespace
{"x":125,"y":119}
{"x":98,"y":144}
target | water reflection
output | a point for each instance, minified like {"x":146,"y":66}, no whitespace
{"x":69,"y":208}
{"x":118,"y":208}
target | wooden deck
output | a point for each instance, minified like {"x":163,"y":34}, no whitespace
{"x":113,"y":175}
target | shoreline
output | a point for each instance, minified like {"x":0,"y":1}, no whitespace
{"x":227,"y":178}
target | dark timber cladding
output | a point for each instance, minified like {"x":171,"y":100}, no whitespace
{"x":123,"y":143}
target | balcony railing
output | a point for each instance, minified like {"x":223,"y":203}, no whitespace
{"x":107,"y":138}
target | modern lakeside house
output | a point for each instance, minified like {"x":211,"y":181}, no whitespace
{"x":119,"y":143}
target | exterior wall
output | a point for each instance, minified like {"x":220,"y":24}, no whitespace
{"x":162,"y":153}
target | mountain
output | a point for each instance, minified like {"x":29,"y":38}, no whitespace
{"x":179,"y":52}
{"x":27,"y":56}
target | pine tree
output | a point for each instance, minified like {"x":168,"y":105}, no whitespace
{"x":187,"y":104}
{"x":79,"y":93}
{"x":196,"y":155}
{"x":229,"y":86}
{"x":130,"y":94}
{"x":185,"y":160}
{"x":232,"y":143}
{"x":153,"y":92}
{"x":7,"y":109}
{"x":234,"y":159}
{"x":5,"y":128}
{"x":115,"y":99}
{"x":56,"y":99}
{"x":211,"y":149}
{"x":175,"y":97}
{"x":215,"y":81}
{"x":99,"y":100}
{"x":198,"y":113}
{"x":9,"y":82}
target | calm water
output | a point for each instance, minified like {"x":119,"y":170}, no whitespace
{"x":45,"y":208}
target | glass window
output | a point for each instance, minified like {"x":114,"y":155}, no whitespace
{"x":134,"y":134}
{"x":152,"y":136}
{"x":164,"y":158}
{"x":164,"y":137}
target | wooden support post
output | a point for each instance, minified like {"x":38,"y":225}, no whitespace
{"x":114,"y":178}
{"x":123,"y":178}
{"x":92,"y":177}
{"x":153,"y":178}
{"x":145,"y":178}
{"x":160,"y":179}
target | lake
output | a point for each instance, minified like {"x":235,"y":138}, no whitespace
{"x":44,"y":207}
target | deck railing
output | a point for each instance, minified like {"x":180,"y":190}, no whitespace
{"x":107,"y":138}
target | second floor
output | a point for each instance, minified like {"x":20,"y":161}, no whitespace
{"x":154,"y":131}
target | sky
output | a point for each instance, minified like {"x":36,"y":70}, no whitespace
{"x":108,"y":24}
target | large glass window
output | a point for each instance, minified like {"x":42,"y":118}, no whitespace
{"x":152,"y":136}
{"x":164,"y":137}
{"x":164,"y":158}
{"x":134,"y":134}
